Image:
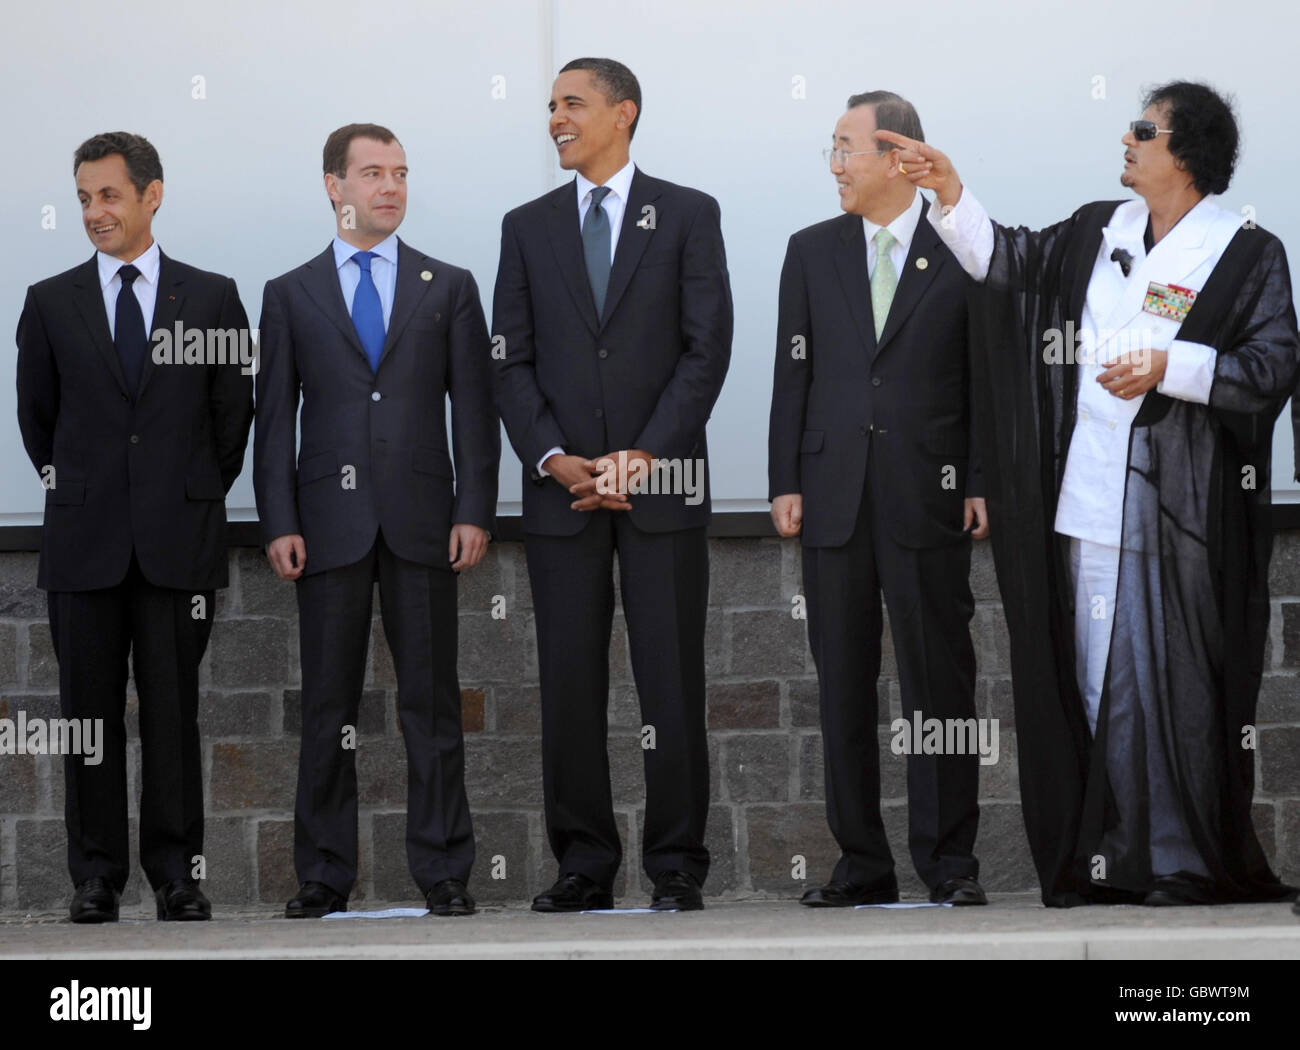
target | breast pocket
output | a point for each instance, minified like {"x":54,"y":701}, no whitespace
{"x":658,"y":257}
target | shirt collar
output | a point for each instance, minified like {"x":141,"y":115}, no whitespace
{"x":385,"y":249}
{"x":620,"y":183}
{"x":903,"y":227}
{"x":147,"y":262}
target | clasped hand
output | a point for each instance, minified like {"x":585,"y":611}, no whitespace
{"x":600,"y":483}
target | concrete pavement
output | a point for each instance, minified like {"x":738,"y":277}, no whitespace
{"x":1009,"y":928}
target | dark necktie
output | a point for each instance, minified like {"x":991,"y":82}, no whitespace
{"x":128,"y":330}
{"x":595,"y":247}
{"x":367,"y":312}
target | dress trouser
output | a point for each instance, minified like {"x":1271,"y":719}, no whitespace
{"x":1132,"y":714}
{"x":927,"y":593}
{"x":664,"y":579}
{"x":418,"y":604}
{"x":164,"y":632}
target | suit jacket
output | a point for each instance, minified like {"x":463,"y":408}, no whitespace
{"x":146,"y":470}
{"x":909,"y":392}
{"x":645,"y":374}
{"x":374,"y":444}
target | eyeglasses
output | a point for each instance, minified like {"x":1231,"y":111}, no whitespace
{"x":1146,"y":130}
{"x":839,"y":156}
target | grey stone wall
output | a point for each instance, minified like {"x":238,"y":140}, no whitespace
{"x":764,"y":740}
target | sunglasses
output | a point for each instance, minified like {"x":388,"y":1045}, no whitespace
{"x":1146,"y":130}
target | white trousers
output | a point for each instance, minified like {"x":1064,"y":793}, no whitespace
{"x":1095,"y":569}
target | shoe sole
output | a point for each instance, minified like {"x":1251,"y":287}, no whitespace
{"x":310,"y":913}
{"x":1169,"y":900}
{"x":594,"y":904}
{"x":666,"y":906}
{"x":93,"y":918}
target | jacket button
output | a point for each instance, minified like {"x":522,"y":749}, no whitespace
{"x":875,"y":381}
{"x":375,"y":395}
{"x":135,"y":439}
{"x":600,"y":413}
{"x":862,"y":430}
{"x":603,"y":352}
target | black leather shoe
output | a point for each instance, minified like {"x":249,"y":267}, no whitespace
{"x":182,"y":901}
{"x":313,"y":900}
{"x":1178,"y":890}
{"x":964,"y":890}
{"x":94,"y":900}
{"x":449,"y":897}
{"x":676,"y":891}
{"x":574,"y":892}
{"x":849,"y":895}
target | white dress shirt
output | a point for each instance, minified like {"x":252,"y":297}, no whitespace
{"x":903,"y":229}
{"x":614,"y":204}
{"x":1091,"y":502}
{"x":383,"y":271}
{"x":145,"y":286}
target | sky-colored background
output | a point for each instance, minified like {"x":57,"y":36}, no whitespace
{"x":739,"y":99}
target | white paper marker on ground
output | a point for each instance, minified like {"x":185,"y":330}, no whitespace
{"x":628,"y":911}
{"x":382,"y":913}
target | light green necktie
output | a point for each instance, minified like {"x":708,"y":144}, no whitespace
{"x":884,"y":279}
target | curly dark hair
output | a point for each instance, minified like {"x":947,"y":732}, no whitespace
{"x":1205,"y":138}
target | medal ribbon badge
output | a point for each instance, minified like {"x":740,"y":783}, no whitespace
{"x":1168,"y":300}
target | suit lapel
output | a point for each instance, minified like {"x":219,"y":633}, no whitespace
{"x":1107,"y":285}
{"x":924,"y":260}
{"x":566,"y":243}
{"x":1177,"y":255}
{"x":321,"y":282}
{"x":851,"y":266}
{"x":633,"y":239}
{"x":88,"y":297}
{"x":166,"y":309}
{"x":409,"y":290}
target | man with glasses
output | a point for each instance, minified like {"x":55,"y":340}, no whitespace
{"x":870,"y":462}
{"x":1130,"y":364}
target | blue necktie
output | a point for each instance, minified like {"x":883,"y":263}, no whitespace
{"x":367,"y":312}
{"x":595,"y":247}
{"x":128,"y":330}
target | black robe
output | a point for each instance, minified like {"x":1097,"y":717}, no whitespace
{"x":1196,"y":608}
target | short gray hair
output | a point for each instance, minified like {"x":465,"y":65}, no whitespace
{"x":893,"y":113}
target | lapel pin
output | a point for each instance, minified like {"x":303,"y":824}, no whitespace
{"x":172,"y":298}
{"x":922,"y":263}
{"x":426,"y":275}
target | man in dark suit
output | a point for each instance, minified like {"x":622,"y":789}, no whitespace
{"x":613,"y":301}
{"x":137,"y":447}
{"x":374,"y":335}
{"x":871,"y":463}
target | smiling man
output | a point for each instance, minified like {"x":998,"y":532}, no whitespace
{"x":1132,"y":495}
{"x":871,"y":464}
{"x":613,"y":299}
{"x":374,"y":336}
{"x":136,"y":460}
